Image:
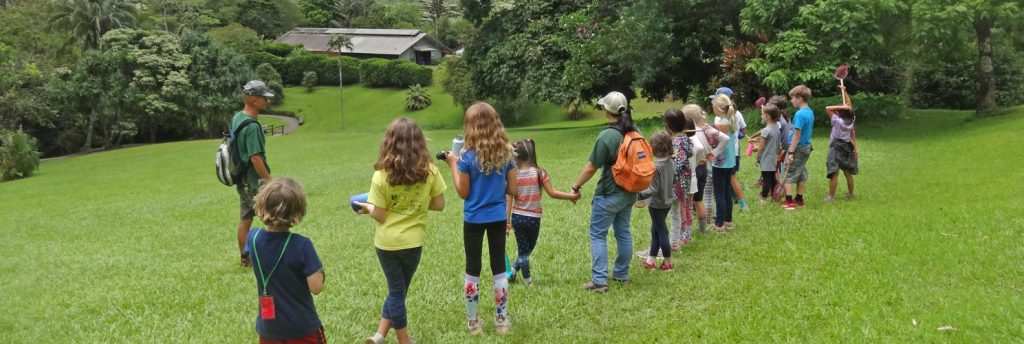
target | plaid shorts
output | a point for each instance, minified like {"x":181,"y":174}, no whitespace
{"x":797,"y":171}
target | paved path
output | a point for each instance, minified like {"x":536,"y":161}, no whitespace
{"x":293,"y":123}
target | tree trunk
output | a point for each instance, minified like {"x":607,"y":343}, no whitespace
{"x":986,"y":75}
{"x":88,"y":132}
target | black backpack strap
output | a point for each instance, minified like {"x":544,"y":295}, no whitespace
{"x":234,"y":140}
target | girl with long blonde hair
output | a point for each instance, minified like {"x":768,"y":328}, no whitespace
{"x":724,"y":165}
{"x":482,"y":175}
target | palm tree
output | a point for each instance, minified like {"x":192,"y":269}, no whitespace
{"x":88,"y":20}
{"x":337,"y":42}
{"x":438,"y":10}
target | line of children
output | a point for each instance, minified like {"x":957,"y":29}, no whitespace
{"x":525,"y":210}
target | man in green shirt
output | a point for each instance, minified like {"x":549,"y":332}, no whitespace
{"x":252,"y":150}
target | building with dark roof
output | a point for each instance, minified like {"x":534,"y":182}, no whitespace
{"x":411,"y":45}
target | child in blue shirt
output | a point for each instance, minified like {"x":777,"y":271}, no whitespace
{"x":482,"y":177}
{"x":287,"y":268}
{"x":799,"y":149}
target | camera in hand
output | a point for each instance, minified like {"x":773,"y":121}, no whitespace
{"x":442,"y":155}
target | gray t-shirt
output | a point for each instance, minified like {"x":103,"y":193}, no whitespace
{"x":768,"y":155}
{"x":660,"y":191}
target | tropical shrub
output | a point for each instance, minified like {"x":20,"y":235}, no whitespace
{"x":19,"y":155}
{"x":417,"y":98}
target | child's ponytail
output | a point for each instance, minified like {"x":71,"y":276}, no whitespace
{"x":626,"y":123}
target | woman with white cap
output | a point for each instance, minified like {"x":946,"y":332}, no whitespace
{"x":612,"y":205}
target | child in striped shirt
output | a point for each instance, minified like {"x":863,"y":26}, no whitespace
{"x":526,"y":210}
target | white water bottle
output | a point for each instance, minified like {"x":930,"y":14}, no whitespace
{"x":457,"y":143}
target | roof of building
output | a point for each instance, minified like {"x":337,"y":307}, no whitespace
{"x":364,"y":41}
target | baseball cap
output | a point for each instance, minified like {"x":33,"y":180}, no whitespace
{"x":722,"y":90}
{"x":257,"y":88}
{"x":614,"y":102}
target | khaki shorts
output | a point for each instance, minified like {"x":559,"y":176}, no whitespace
{"x":246,"y":198}
{"x":797,"y":171}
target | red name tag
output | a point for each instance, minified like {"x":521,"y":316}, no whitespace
{"x":267,"y":307}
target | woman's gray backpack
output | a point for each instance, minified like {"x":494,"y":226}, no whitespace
{"x":230,"y":167}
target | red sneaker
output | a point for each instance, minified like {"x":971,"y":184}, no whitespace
{"x":788,"y":205}
{"x":649,"y":265}
{"x":799,"y":203}
{"x":666,"y":266}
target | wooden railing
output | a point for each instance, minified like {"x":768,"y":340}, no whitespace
{"x":271,"y":130}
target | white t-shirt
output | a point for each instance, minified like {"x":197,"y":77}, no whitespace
{"x":740,"y":125}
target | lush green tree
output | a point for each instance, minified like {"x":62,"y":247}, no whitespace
{"x":454,"y":75}
{"x":803,"y":43}
{"x":938,"y":18}
{"x":394,"y":16}
{"x":266,"y":17}
{"x":237,"y":37}
{"x":272,"y":78}
{"x":336,"y":44}
{"x":216,"y":75}
{"x":476,"y":10}
{"x":179,"y":15}
{"x":89,"y":20}
{"x":160,"y":75}
{"x":32,"y":38}
{"x":438,"y":12}
{"x":346,"y":12}
{"x":309,"y":80}
{"x":318,"y":12}
{"x":21,"y":99}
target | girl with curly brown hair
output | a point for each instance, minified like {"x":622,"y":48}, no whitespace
{"x":405,"y":185}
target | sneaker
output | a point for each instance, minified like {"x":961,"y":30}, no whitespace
{"x":619,"y":280}
{"x":649,"y":265}
{"x":788,"y":205}
{"x":600,"y":289}
{"x":718,"y":229}
{"x":474,"y":327}
{"x":829,"y":199}
{"x":528,"y":281}
{"x":729,"y":225}
{"x":376,"y":338}
{"x":502,"y":324}
{"x":246,"y":262}
{"x":666,"y":267}
{"x":800,"y":203}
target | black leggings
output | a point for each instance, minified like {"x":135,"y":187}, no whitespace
{"x":767,"y":183}
{"x":473,"y":240}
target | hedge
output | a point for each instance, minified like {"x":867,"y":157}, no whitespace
{"x":394,"y":73}
{"x":326,"y":68}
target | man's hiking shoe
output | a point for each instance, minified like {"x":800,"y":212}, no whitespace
{"x":600,"y":289}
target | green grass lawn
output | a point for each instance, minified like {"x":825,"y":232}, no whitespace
{"x":137,"y":245}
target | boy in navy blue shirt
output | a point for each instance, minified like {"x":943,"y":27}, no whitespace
{"x":287,"y":268}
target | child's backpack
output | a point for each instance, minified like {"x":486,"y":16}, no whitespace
{"x":634,"y":166}
{"x":230,"y":167}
